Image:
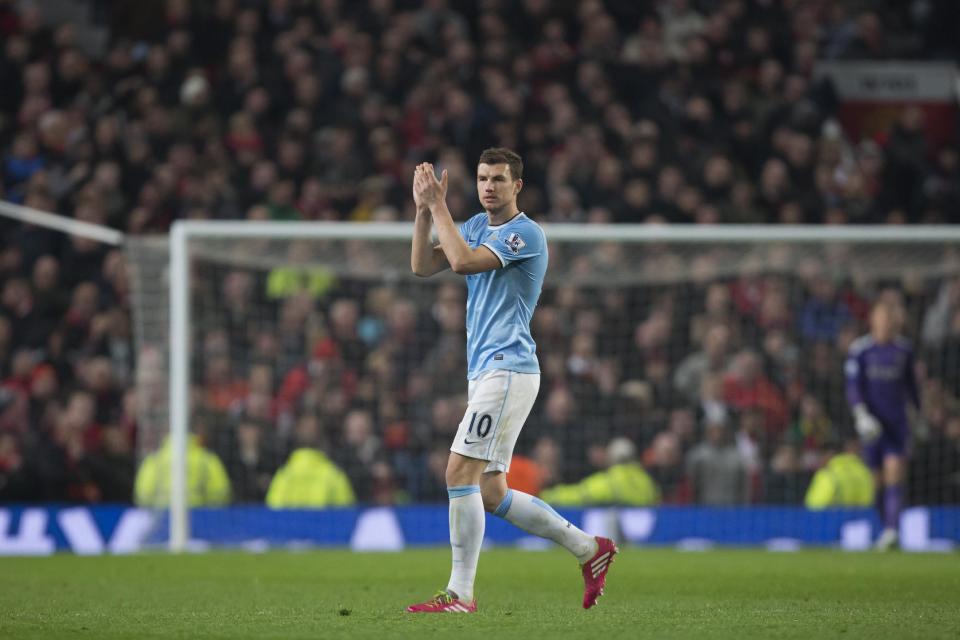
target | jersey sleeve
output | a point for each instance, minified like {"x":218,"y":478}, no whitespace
{"x":516,"y":244}
{"x":853,"y":371}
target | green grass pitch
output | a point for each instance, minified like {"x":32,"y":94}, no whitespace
{"x":651,"y":593}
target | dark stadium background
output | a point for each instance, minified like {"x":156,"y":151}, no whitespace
{"x":136,"y":114}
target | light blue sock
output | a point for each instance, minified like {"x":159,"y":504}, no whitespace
{"x":535,"y":516}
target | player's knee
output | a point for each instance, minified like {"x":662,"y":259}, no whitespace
{"x":493,"y":489}
{"x":460,"y":472}
{"x":892,"y":471}
{"x":453,"y":475}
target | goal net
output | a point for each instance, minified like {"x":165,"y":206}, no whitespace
{"x":660,"y":344}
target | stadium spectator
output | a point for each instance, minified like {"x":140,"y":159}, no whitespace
{"x":812,"y":428}
{"x":785,"y":481}
{"x":634,"y":413}
{"x":561,"y":422}
{"x":309,"y":479}
{"x":940,"y":315}
{"x":844,"y":481}
{"x":935,"y":468}
{"x":752,"y":443}
{"x":111,"y":466}
{"x":425,"y":474}
{"x":716,"y":470}
{"x":711,"y":358}
{"x":664,"y":461}
{"x":252,"y":459}
{"x":746,"y":387}
{"x":623,"y":482}
{"x":824,"y":315}
{"x":820,"y":371}
{"x":14,"y":481}
{"x":525,"y":475}
{"x":207,"y":480}
{"x":362,"y":457}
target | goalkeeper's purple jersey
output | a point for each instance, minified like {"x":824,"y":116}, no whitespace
{"x":881,"y":377}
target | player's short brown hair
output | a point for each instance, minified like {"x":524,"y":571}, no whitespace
{"x":502,"y":155}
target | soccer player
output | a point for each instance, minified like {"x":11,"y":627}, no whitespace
{"x":503,"y":254}
{"x":882,"y":393}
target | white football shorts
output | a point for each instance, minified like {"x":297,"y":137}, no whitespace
{"x":498,"y":403}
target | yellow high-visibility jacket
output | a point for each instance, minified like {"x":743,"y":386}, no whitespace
{"x":309,"y":479}
{"x":285,"y":282}
{"x":843,"y":482}
{"x":623,"y":484}
{"x":207,"y":480}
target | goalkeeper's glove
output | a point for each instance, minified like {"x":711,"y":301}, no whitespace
{"x":868,"y":427}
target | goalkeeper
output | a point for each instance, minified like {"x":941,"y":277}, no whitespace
{"x":882,"y":393}
{"x":503,"y":255}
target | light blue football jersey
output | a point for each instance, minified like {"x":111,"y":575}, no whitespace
{"x":500,"y":302}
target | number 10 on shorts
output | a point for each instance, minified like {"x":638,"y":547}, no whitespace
{"x":483,"y":425}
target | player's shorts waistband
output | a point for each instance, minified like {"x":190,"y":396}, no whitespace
{"x":487,"y":373}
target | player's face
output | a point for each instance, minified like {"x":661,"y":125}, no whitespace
{"x":882,"y":322}
{"x":496,"y":188}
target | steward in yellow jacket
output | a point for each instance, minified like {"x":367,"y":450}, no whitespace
{"x":622,"y":484}
{"x":309,"y":479}
{"x":625,"y":482}
{"x":207,"y":480}
{"x":843,"y":482}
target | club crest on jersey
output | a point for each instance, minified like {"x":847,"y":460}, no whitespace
{"x":515,"y":243}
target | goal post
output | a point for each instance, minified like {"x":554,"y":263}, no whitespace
{"x":179,"y":383}
{"x":181,"y":234}
{"x":656,"y":264}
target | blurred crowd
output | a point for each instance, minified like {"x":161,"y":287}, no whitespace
{"x":728,"y":390}
{"x":678,"y":111}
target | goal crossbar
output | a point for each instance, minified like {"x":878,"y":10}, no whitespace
{"x":588,"y":233}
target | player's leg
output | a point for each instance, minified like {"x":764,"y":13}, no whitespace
{"x":528,"y":512}
{"x":872,"y":455}
{"x":535,"y":516}
{"x":519,"y":392}
{"x":467,"y":522}
{"x":892,"y":479}
{"x":468,"y":458}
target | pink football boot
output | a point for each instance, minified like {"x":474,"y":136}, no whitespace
{"x":595,"y":571}
{"x":443,"y":602}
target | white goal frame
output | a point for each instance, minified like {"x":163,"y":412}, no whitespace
{"x":183,"y":231}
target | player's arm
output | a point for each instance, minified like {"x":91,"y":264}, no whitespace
{"x":462,"y":258}
{"x":425,"y":258}
{"x":867,"y":425}
{"x":852,"y":373}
